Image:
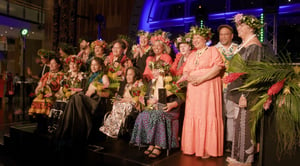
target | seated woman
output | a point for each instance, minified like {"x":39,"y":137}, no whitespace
{"x":76,"y":123}
{"x":71,"y":84}
{"x":45,"y":92}
{"x":154,"y":126}
{"x":123,"y":105}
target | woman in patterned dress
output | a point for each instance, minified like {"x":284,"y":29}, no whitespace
{"x":47,"y":87}
{"x":155,"y":126}
{"x":251,"y":49}
{"x":123,"y":105}
{"x":45,"y":92}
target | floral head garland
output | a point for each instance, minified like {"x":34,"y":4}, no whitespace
{"x":45,"y":53}
{"x":100,"y":43}
{"x":73,"y":58}
{"x":204,"y":32}
{"x":250,"y":20}
{"x":160,"y":35}
{"x":143,"y":33}
{"x":187,"y":38}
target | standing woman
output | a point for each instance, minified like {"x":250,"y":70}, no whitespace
{"x":183,"y":43}
{"x":141,"y":51}
{"x":202,"y":133}
{"x":161,"y":49}
{"x":243,"y":147}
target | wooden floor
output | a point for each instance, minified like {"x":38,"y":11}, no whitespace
{"x":25,"y":147}
{"x":21,"y":146}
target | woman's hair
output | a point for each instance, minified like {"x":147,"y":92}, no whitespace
{"x":137,"y":76}
{"x":137,"y":73}
{"x":100,"y":61}
{"x":120,"y":41}
{"x":58,"y":61}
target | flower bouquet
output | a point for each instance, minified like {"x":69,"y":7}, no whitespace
{"x":137,"y":93}
{"x":115,"y":72}
{"x":274,"y":84}
{"x":173,"y":87}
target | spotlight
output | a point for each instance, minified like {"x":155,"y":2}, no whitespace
{"x":24,"y":32}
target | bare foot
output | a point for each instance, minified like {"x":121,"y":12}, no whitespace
{"x":149,"y":150}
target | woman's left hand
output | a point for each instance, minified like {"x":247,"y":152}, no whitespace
{"x":170,"y":106}
{"x":197,"y":81}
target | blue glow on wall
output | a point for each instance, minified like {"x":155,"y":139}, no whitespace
{"x":148,"y":25}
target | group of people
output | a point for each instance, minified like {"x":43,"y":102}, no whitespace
{"x":147,"y":89}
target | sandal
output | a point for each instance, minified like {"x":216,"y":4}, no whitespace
{"x":149,"y":151}
{"x":155,"y":155}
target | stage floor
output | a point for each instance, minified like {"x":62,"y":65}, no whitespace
{"x":25,"y":147}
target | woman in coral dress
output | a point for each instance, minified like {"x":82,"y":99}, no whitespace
{"x":202,"y":133}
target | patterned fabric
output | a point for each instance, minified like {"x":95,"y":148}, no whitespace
{"x":116,"y":119}
{"x":51,"y":84}
{"x":155,"y":127}
{"x":243,"y":148}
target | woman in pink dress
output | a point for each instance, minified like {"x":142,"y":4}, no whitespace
{"x":202,"y":133}
{"x":161,"y":49}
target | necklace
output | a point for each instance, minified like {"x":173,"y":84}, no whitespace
{"x":198,"y":54}
{"x":243,"y":44}
{"x":228,"y":53}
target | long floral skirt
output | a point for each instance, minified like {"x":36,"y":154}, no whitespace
{"x":116,"y":119}
{"x":155,"y":127}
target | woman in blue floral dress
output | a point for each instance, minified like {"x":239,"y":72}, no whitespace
{"x":157,"y":126}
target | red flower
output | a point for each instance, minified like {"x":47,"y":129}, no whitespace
{"x":232,"y":77}
{"x":111,"y":70}
{"x":275,"y":88}
{"x":267,"y":103}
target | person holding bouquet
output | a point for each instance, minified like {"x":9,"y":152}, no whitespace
{"x":157,"y":126}
{"x":45,"y":92}
{"x":125,"y":102}
{"x":77,"y":121}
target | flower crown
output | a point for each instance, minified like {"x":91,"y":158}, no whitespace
{"x":183,"y":39}
{"x":160,"y":35}
{"x":45,"y":53}
{"x":204,"y":31}
{"x":73,"y":58}
{"x":250,"y":20}
{"x":100,"y":43}
{"x":143,"y":33}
